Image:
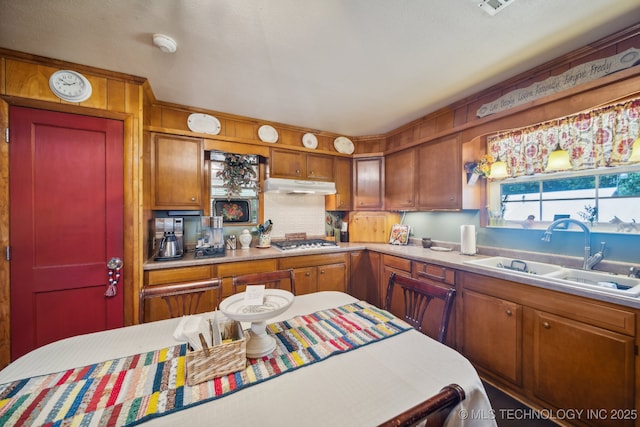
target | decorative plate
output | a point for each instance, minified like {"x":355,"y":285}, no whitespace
{"x":343,"y":145}
{"x":267,"y":133}
{"x":309,"y":140}
{"x":203,"y":123}
{"x":440,"y":249}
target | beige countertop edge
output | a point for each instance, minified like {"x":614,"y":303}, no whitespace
{"x":453,"y":259}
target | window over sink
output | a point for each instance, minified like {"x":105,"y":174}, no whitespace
{"x":606,"y":199}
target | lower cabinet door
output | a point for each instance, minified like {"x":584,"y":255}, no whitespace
{"x":306,"y":279}
{"x":492,"y":334}
{"x":332,"y":277}
{"x":584,"y":367}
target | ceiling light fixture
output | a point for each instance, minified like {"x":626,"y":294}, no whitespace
{"x":494,"y":6}
{"x":558,"y":160}
{"x":165,"y":43}
{"x":635,"y":151}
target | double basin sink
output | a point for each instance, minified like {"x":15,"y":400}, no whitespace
{"x":588,"y":279}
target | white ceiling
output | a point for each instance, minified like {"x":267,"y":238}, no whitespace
{"x":354,"y":67}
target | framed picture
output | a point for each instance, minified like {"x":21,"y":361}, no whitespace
{"x":234,"y":210}
{"x":399,"y":234}
{"x":561,"y":216}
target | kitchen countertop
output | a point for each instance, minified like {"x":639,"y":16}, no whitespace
{"x":453,"y":259}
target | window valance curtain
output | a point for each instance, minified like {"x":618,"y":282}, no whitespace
{"x":597,"y":138}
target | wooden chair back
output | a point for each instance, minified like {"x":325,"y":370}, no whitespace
{"x":431,"y":412}
{"x":417,"y":298}
{"x":273,"y":279}
{"x":181,"y":298}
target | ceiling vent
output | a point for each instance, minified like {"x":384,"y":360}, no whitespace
{"x":494,"y":6}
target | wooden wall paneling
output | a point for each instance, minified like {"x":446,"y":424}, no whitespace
{"x":116,"y":95}
{"x":5,"y":293}
{"x":3,"y":76}
{"x":29,"y":81}
{"x":175,"y":119}
{"x":290,"y":137}
{"x":247,"y":131}
{"x":99,"y":94}
{"x":444,"y":120}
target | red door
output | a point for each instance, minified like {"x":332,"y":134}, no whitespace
{"x":66,"y":222}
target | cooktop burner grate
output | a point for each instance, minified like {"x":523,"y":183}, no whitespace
{"x":291,"y":245}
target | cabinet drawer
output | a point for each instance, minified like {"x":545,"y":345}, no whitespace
{"x":424,"y":270}
{"x":311,"y":260}
{"x":183,"y":274}
{"x":397,"y":263}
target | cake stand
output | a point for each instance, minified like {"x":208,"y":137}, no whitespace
{"x":276,"y":301}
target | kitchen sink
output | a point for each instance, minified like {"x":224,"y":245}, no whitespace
{"x":516,"y":265}
{"x":605,"y":282}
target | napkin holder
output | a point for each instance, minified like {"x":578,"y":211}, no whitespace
{"x":218,"y":360}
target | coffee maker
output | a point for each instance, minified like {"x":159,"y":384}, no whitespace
{"x":168,"y":241}
{"x":211,"y":243}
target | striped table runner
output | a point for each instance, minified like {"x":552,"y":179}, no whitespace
{"x":131,"y":390}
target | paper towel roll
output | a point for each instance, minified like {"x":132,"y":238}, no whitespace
{"x":467,"y":239}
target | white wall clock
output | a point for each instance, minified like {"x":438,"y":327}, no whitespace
{"x":70,"y":86}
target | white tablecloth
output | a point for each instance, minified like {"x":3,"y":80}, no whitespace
{"x":360,"y":388}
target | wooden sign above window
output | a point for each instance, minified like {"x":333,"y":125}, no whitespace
{"x":577,"y":75}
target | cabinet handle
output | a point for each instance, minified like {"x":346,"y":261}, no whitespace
{"x":321,"y":271}
{"x":442,"y":276}
{"x":311,"y":173}
{"x":193,"y":199}
{"x":297,"y":171}
{"x":546,"y":325}
{"x":307,"y":274}
{"x":509,"y":313}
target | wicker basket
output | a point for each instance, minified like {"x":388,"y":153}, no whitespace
{"x":222,"y":360}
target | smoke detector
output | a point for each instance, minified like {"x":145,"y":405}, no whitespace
{"x":494,"y":6}
{"x":165,"y":43}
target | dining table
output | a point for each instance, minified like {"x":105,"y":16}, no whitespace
{"x":363,"y":387}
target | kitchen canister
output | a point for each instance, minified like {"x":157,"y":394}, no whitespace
{"x":468,"y":239}
{"x":245,"y":239}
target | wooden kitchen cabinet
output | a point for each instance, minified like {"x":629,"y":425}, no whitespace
{"x":156,"y":308}
{"x":229,"y":269}
{"x":342,"y":171}
{"x":492,"y":334}
{"x":315,"y":273}
{"x":364,"y":276}
{"x":580,"y":366}
{"x":368,"y":183}
{"x":439,"y":184}
{"x":299,"y":165}
{"x":445,"y":277}
{"x":177,"y":172}
{"x":400,"y":180}
{"x":553,"y":349}
{"x":393,"y":264}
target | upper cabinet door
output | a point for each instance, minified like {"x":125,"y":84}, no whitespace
{"x":177,"y":172}
{"x":287,"y":164}
{"x":439,"y":185}
{"x":341,"y":201}
{"x":400,"y":178}
{"x":319,"y":167}
{"x":297,"y":165}
{"x":368,"y":183}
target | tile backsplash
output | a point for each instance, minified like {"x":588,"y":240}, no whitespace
{"x":295,"y":213}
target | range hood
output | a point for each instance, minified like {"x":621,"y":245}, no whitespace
{"x":296,"y":186}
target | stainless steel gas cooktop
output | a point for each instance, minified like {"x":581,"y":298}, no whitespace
{"x":301,"y":245}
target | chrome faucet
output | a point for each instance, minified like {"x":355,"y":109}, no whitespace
{"x":589,"y":260}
